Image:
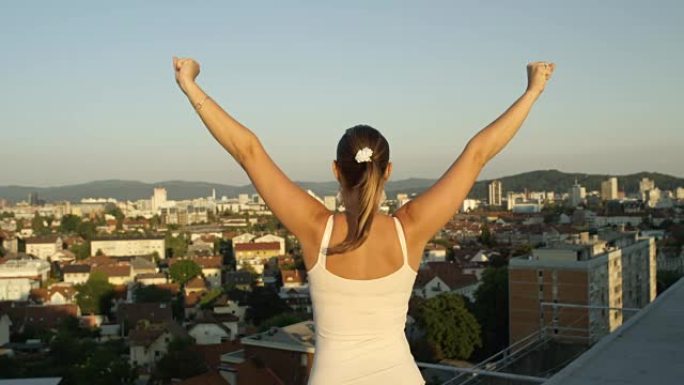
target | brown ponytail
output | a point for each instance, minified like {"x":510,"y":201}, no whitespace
{"x":361,"y":182}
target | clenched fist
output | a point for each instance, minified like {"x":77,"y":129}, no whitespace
{"x":186,"y":70}
{"x":538,"y":73}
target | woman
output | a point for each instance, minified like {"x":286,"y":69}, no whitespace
{"x":360,"y":294}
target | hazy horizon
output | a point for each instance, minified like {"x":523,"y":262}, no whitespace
{"x":90,"y":95}
{"x":392,"y":179}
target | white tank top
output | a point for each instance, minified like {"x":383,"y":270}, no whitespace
{"x":359,"y":324}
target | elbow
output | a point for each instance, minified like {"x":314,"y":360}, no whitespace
{"x":477,"y":151}
{"x":249,"y":149}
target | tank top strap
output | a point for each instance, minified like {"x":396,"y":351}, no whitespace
{"x":402,"y":239}
{"x":326,"y":240}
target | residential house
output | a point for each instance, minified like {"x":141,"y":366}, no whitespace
{"x":269,"y":238}
{"x":255,"y":254}
{"x":56,"y":294}
{"x":441,"y":277}
{"x":76,"y":274}
{"x":206,"y":332}
{"x":44,"y":247}
{"x":276,"y":356}
{"x":149,"y":342}
{"x":128,"y":315}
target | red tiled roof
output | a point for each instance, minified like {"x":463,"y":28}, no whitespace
{"x":43,"y":239}
{"x":145,"y":336}
{"x":209,"y":262}
{"x":250,"y":372}
{"x":134,"y":312}
{"x":213,"y":262}
{"x":450,"y":273}
{"x":48,"y":317}
{"x":293,"y":276}
{"x":196,"y":283}
{"x":192,"y":299}
{"x":257,"y":246}
{"x":75,"y":269}
{"x":211,"y":377}
{"x":98,"y":260}
{"x":114,"y":270}
{"x":43,"y":295}
{"x":174,"y":288}
{"x":211,"y":354}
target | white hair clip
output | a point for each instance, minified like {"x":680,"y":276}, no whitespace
{"x":363,"y":155}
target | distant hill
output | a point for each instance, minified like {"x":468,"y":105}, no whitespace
{"x":558,"y":181}
{"x":541,"y":180}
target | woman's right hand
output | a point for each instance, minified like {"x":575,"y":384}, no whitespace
{"x":538,"y":73}
{"x":186,"y":70}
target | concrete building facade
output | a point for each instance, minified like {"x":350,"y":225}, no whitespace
{"x":577,"y":291}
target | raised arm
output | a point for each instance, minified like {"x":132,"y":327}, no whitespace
{"x":427,"y":213}
{"x":299,"y":212}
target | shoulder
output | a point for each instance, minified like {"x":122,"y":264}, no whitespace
{"x":414,"y":243}
{"x":311,"y":242}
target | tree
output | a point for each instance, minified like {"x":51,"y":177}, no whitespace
{"x":184,"y":270}
{"x":87,"y":230}
{"x":176,"y":246}
{"x":451,"y":330}
{"x":152,"y":293}
{"x":180,"y":362}
{"x":155,"y":221}
{"x":264,"y":303}
{"x":39,"y":226}
{"x":491,"y":309}
{"x":116,"y":212}
{"x":94,"y":296}
{"x":485,"y":236}
{"x":666,"y":278}
{"x":69,"y":223}
{"x":522,"y":249}
{"x":81,"y":251}
{"x":106,"y":365}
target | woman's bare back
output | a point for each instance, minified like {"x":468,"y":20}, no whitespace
{"x":379,"y":256}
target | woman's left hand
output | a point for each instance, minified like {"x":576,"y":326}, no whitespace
{"x":186,"y":70}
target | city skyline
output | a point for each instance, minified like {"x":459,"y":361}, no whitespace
{"x":427,"y":77}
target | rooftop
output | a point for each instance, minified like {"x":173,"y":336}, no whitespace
{"x":295,"y":337}
{"x":644,"y":350}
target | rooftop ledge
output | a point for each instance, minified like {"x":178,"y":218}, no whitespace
{"x":647,"y":349}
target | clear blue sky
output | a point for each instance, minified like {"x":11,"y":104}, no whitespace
{"x":88,"y":91}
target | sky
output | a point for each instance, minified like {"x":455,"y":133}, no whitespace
{"x":89,"y":91}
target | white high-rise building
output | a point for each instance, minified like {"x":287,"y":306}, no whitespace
{"x":495,"y":193}
{"x":158,"y":198}
{"x":243,"y":199}
{"x":577,"y":194}
{"x":646,"y":184}
{"x":609,"y":189}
